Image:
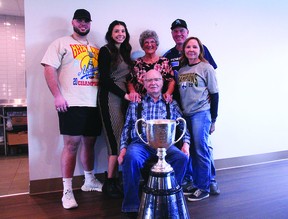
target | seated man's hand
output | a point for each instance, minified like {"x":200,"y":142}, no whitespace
{"x":121,"y":156}
{"x":185,"y":149}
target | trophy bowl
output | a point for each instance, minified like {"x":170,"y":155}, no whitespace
{"x":160,"y":132}
{"x":160,"y":136}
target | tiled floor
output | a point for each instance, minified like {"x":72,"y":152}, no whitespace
{"x":14,"y":174}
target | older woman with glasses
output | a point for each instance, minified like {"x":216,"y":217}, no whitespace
{"x":149,"y":42}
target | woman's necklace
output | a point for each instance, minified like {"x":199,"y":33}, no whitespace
{"x":194,"y":63}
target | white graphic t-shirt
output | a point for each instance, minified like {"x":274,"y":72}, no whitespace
{"x":77,"y":66}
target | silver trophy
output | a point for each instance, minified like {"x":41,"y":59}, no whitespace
{"x":162,"y":197}
{"x":161,"y":135}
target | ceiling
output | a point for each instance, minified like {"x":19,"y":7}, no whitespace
{"x":12,"y":7}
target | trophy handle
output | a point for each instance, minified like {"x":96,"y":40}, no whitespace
{"x":136,"y":127}
{"x":184,"y":130}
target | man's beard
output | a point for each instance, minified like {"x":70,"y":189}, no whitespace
{"x":81,"y":33}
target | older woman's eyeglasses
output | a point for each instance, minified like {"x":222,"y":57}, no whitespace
{"x":147,"y":42}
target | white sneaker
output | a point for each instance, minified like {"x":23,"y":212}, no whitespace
{"x":92,"y":185}
{"x":68,"y":200}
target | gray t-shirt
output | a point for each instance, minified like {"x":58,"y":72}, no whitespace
{"x":195,"y":83}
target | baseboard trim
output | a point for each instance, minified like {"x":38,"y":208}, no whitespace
{"x":55,"y":184}
{"x":235,"y":162}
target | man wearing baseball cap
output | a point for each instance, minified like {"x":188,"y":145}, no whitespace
{"x":180,"y":32}
{"x":71,"y":72}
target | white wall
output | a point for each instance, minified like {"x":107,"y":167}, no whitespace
{"x":248,"y":40}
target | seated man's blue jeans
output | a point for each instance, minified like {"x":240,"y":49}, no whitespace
{"x":134,"y":160}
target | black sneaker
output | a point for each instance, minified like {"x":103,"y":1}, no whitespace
{"x":198,"y":195}
{"x":188,"y":188}
{"x":130,"y":215}
{"x":214,"y":190}
{"x":112,"y":187}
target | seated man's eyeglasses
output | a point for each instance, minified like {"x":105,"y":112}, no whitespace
{"x":152,"y":79}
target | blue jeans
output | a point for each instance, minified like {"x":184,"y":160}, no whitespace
{"x":134,"y":160}
{"x":189,"y":171}
{"x":213,"y":170}
{"x":200,"y":161}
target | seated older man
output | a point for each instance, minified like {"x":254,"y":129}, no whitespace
{"x":134,"y":153}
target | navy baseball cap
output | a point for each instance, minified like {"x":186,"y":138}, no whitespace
{"x":178,"y":23}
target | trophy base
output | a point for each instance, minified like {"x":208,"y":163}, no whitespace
{"x":163,"y":197}
{"x":161,"y":166}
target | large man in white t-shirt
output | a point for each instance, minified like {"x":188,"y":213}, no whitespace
{"x":71,"y":71}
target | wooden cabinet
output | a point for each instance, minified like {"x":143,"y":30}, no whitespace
{"x":13,"y":126}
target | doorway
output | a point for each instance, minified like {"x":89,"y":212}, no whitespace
{"x":14,"y":165}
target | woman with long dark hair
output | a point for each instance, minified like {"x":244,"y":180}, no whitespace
{"x":114,"y":67}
